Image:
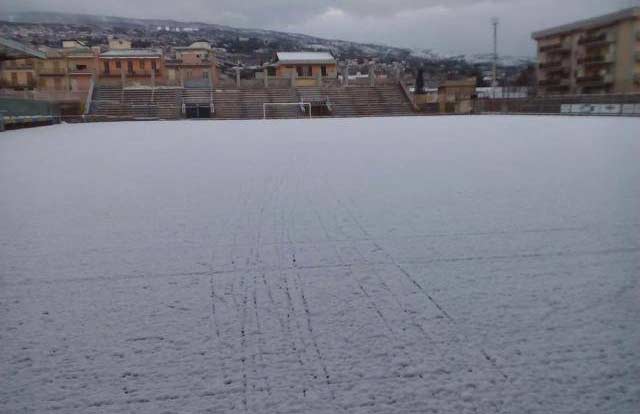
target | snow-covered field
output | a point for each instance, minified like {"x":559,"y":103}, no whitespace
{"x":405,"y":265}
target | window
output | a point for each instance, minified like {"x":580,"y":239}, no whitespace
{"x":299,"y":70}
{"x":323,"y":68}
{"x":118,"y":64}
{"x":81,"y":67}
{"x":205,"y":75}
{"x":153,"y":65}
{"x":130,"y":67}
{"x":14,"y":78}
{"x":106,"y":66}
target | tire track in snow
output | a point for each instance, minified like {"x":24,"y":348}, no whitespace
{"x":406,"y":273}
{"x":307,"y":313}
{"x":491,"y":360}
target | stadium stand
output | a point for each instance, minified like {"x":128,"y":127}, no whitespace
{"x":325,"y":101}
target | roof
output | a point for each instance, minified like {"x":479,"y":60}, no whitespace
{"x":137,"y":53}
{"x":78,"y":52}
{"x":305,"y":57}
{"x":593,"y":23}
{"x":468,"y":83}
{"x":10,"y":49}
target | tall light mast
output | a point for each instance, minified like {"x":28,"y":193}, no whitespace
{"x":494,"y":80}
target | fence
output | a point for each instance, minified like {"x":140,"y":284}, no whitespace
{"x":622,"y":104}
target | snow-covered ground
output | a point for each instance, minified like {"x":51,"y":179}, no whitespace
{"x":404,"y":265}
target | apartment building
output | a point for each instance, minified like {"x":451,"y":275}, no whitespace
{"x":594,"y":56}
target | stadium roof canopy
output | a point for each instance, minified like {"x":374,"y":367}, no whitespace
{"x":11,"y":50}
{"x":292,"y":58}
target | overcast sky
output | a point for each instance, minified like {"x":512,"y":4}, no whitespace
{"x":446,"y":26}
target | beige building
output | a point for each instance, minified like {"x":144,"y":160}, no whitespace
{"x":19,"y":74}
{"x":195,"y":65}
{"x":598,"y":55}
{"x":131,"y":66}
{"x":306,"y":66}
{"x":69,"y":69}
{"x":456,"y":96}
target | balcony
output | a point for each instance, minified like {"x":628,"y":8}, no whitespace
{"x":551,"y":64}
{"x":80,"y":71}
{"x":142,"y":73}
{"x":597,"y":40}
{"x":132,"y":74}
{"x":558,"y":89}
{"x":180,"y":62}
{"x":553,"y":46}
{"x":554,"y":82}
{"x":556,"y":50}
{"x":595,"y":80}
{"x":558,"y":72}
{"x":595,"y":60}
{"x":49,"y":71}
{"x":17,"y":66}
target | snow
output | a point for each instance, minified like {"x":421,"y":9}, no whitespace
{"x":383,"y":265}
{"x":305,"y":57}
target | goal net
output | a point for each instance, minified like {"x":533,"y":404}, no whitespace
{"x":286,"y":110}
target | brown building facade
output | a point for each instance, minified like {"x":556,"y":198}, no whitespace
{"x":69,"y":69}
{"x":305,"y":66}
{"x":195,"y":65}
{"x":131,"y":67}
{"x":599,"y":55}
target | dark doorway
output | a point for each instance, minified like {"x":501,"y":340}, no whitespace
{"x":198,"y":111}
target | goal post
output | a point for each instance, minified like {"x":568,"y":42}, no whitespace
{"x":301,"y":105}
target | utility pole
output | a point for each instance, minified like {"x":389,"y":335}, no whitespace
{"x":494,"y":80}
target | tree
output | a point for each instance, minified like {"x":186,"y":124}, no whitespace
{"x":420,"y":82}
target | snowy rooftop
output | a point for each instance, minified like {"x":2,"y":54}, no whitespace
{"x":132,"y":53}
{"x":380,"y":266}
{"x":305,"y":58}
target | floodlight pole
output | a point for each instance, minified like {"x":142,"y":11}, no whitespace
{"x":494,"y":81}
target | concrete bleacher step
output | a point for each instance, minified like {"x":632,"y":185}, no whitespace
{"x":166,"y":103}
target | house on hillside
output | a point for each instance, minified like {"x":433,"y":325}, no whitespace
{"x":122,"y":64}
{"x":307,"y":67}
{"x":69,"y":69}
{"x":194,"y":65}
